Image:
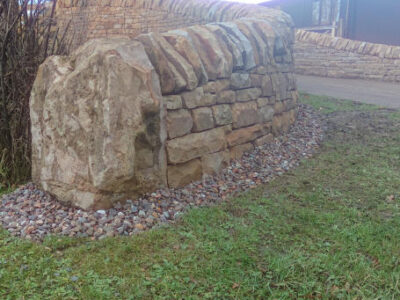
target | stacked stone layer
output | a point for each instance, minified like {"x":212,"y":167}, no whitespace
{"x":323,"y":55}
{"x":88,"y":19}
{"x":122,"y":117}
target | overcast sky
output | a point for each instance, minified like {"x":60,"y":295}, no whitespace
{"x":248,"y":1}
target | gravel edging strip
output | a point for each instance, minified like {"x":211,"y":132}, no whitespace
{"x":33,"y":214}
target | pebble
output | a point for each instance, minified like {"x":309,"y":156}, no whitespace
{"x":33,"y":214}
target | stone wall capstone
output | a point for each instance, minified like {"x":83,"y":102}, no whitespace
{"x":123,"y":116}
{"x":323,"y":55}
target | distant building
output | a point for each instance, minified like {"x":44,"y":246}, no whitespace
{"x":376,"y":21}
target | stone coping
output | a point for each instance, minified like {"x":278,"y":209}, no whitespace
{"x":360,"y":47}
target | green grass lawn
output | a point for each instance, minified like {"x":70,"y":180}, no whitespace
{"x":326,"y":104}
{"x":328,"y":229}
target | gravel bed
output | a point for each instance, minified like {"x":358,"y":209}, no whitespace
{"x":33,"y":214}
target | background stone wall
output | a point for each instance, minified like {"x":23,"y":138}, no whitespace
{"x":121,"y":117}
{"x":323,"y":55}
{"x":87,"y":19}
{"x":95,"y":19}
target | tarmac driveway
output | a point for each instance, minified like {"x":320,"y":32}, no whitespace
{"x":384,"y":94}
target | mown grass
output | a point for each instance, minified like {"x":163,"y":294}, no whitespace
{"x":329,"y":230}
{"x":326,"y":104}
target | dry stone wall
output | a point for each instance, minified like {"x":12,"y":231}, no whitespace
{"x":120,"y":117}
{"x":219,"y":121}
{"x":88,"y":19}
{"x":323,"y":55}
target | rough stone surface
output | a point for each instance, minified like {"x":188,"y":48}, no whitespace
{"x":216,"y":62}
{"x":263,"y":101}
{"x":244,"y":114}
{"x":203,"y":119}
{"x":226,"y":97}
{"x":89,"y":129}
{"x":182,"y":43}
{"x":222,"y":114}
{"x":179,"y":123}
{"x":214,"y":163}
{"x":266,"y":113}
{"x":264,"y":140}
{"x":267,"y":87}
{"x":170,"y":78}
{"x":248,"y":134}
{"x":193,"y":99}
{"x":282,"y":122}
{"x":248,"y":94}
{"x":240,"y":81}
{"x":238,"y":151}
{"x":184,"y":68}
{"x":215,"y":87}
{"x":184,"y":174}
{"x":195,"y":145}
{"x":173,"y":102}
{"x":208,"y":100}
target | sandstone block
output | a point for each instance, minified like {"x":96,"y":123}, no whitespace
{"x":266,"y":139}
{"x":193,"y":99}
{"x":248,"y":50}
{"x":183,"y":174}
{"x":295,"y":96}
{"x":179,"y":123}
{"x":232,"y":43}
{"x":238,"y":151}
{"x":256,"y":80}
{"x":281,"y":123}
{"x":226,"y":97}
{"x":280,"y":86}
{"x":215,"y":87}
{"x":267,"y":86}
{"x":279,"y":107}
{"x":244,"y":114}
{"x":184,"y":68}
{"x":214,"y":59}
{"x":240,"y":81}
{"x":173,"y":102}
{"x":182,"y":43}
{"x":248,"y":94}
{"x":171,"y":80}
{"x":292,"y":116}
{"x":222,"y":114}
{"x":202,"y":119}
{"x":266,"y":113}
{"x":248,"y":134}
{"x":214,"y":163}
{"x":195,"y":145}
{"x":263,"y":101}
{"x":97,"y":139}
{"x":251,"y":36}
{"x":208,"y":100}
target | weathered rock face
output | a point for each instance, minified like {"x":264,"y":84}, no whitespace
{"x":119,"y":118}
{"x":96,"y":124}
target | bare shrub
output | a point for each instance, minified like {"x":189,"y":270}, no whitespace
{"x":28,"y":34}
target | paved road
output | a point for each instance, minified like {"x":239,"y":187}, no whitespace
{"x":373,"y":92}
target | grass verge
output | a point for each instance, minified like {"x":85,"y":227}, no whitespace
{"x":326,"y":104}
{"x":329,"y":229}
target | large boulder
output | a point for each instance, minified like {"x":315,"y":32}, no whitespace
{"x":96,"y":124}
